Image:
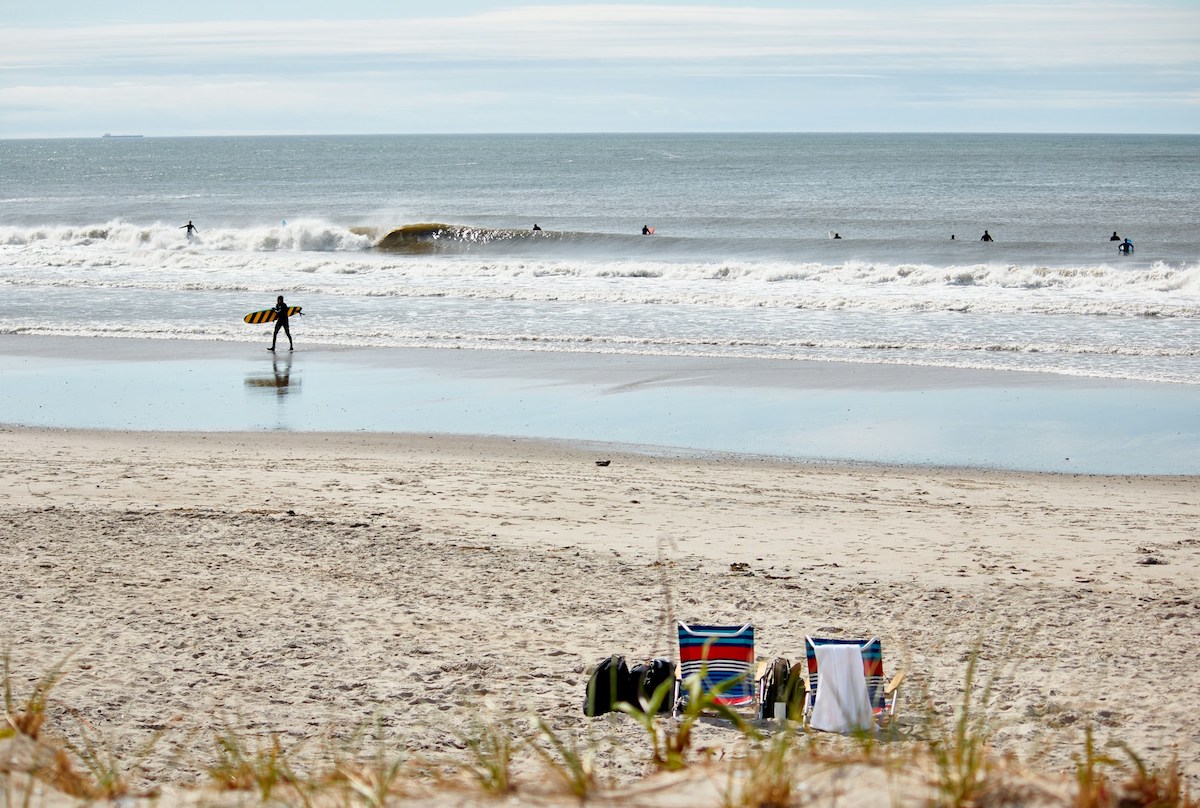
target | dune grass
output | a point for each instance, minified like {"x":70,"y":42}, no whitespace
{"x":943,"y":758}
{"x":492,"y":748}
{"x":26,"y":718}
{"x":671,"y":739}
{"x":366,"y":768}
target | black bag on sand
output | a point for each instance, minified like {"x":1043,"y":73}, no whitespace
{"x":609,"y":683}
{"x":775,"y":686}
{"x":647,"y":678}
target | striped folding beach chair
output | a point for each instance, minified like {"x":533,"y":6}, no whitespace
{"x":721,"y":655}
{"x":881,"y":693}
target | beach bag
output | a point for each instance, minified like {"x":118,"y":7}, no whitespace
{"x":608,"y":684}
{"x":648,"y":677}
{"x":796,"y":691}
{"x":775,"y":686}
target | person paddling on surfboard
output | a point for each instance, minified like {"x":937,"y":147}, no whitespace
{"x":190,"y":228}
{"x":281,"y":321}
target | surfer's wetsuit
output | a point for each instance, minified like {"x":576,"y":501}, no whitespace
{"x":281,"y":321}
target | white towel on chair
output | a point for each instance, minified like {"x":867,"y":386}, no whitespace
{"x":843,"y":704}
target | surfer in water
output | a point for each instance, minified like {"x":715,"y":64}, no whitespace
{"x":190,"y":228}
{"x":646,"y":231}
{"x":1114,"y":237}
{"x":281,"y":321}
{"x":986,"y":236}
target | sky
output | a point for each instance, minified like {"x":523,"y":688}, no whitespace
{"x":70,"y":68}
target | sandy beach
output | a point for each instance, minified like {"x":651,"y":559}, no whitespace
{"x":309,"y":583}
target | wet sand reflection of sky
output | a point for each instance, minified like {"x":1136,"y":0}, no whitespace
{"x":805,"y":411}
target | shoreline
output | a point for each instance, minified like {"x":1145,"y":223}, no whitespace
{"x":892,"y":415}
{"x":583,"y":366}
{"x":601,"y":450}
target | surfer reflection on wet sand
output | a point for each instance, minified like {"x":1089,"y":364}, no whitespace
{"x":280,"y":380}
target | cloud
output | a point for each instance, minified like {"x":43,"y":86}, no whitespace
{"x":1006,"y":36}
{"x":610,"y":67}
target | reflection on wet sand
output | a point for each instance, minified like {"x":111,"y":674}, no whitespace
{"x":280,"y":380}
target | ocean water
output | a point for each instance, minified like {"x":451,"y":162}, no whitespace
{"x":428,"y":241}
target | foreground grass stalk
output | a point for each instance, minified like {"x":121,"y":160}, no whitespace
{"x":765,"y":778}
{"x":571,"y":765}
{"x":103,"y":764}
{"x":27,"y":719}
{"x":960,"y":749}
{"x":240,"y":768}
{"x":492,"y":749}
{"x":375,"y":782}
{"x":347,"y":774}
{"x":50,"y":763}
{"x":109,"y":771}
{"x":670,"y":740}
{"x":1156,"y":788}
{"x":1092,"y":787}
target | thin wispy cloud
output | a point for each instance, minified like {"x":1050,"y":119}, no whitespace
{"x":587,"y":56}
{"x":1016,"y":35}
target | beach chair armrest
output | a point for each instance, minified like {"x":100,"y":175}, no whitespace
{"x":892,"y":686}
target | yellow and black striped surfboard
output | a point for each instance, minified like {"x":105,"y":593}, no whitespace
{"x":267,"y":315}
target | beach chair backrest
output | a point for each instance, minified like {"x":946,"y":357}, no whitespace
{"x":872,"y":656}
{"x":723,"y":653}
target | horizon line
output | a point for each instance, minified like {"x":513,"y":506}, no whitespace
{"x":140,"y":135}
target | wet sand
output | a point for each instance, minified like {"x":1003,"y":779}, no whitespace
{"x":840,"y":412}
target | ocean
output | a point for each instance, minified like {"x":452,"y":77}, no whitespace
{"x":428,"y":241}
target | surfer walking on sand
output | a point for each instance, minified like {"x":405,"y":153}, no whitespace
{"x":281,"y":321}
{"x":190,"y":228}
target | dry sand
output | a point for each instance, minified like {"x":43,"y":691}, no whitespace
{"x":303,"y":583}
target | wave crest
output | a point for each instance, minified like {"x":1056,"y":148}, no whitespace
{"x":305,"y":235}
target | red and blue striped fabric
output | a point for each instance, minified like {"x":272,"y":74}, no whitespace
{"x":722,"y":653}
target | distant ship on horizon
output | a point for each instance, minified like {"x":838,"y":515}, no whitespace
{"x":109,"y":134}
